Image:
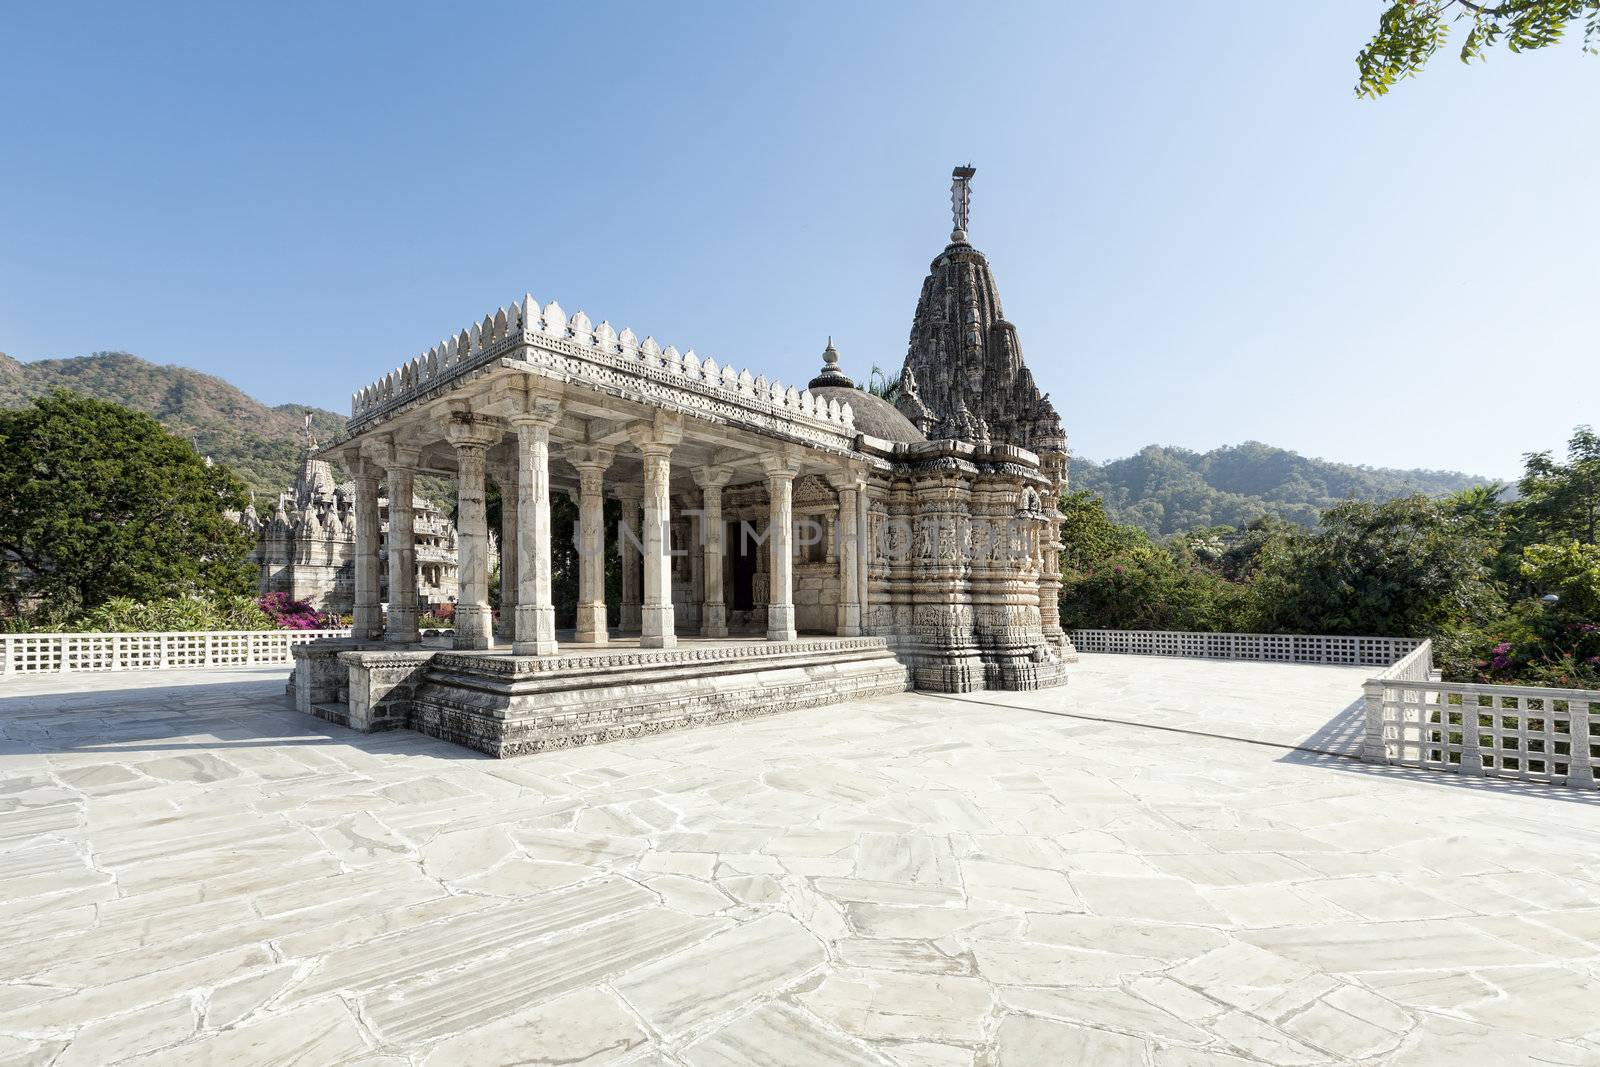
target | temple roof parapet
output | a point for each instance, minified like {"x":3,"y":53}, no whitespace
{"x":602,"y":351}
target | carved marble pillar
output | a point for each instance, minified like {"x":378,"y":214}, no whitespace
{"x":694,"y":539}
{"x":471,"y":435}
{"x":592,"y":464}
{"x":714,"y":610}
{"x":780,"y":591}
{"x":505,"y":476}
{"x":368,"y":621}
{"x":848,"y":622}
{"x":535,"y":609}
{"x":402,"y":628}
{"x":863,"y":553}
{"x":656,"y":623}
{"x":629,"y":550}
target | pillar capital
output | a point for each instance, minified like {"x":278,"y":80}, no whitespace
{"x":591,"y":457}
{"x":713,"y":476}
{"x":657,"y":437}
{"x":780,"y":466}
{"x":537,"y":410}
{"x":847,"y":480}
{"x":467,"y":430}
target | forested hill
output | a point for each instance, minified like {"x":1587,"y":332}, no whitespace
{"x":1171,"y":490}
{"x":1163,"y":490}
{"x":261,"y":444}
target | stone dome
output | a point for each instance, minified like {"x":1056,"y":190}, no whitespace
{"x":874,"y":414}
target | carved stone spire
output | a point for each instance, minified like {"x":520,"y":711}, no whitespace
{"x":965,"y":358}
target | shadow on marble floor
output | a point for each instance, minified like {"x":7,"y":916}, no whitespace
{"x":197,"y":716}
{"x":1478,"y":784}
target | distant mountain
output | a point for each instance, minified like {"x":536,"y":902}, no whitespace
{"x":1171,"y":490}
{"x":1163,"y":490}
{"x":261,"y":444}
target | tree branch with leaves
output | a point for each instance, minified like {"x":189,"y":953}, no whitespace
{"x":1411,"y":31}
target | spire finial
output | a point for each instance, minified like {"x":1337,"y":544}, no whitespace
{"x":961,"y":200}
{"x":830,"y":374}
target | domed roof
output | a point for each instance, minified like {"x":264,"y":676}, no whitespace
{"x":874,"y":414}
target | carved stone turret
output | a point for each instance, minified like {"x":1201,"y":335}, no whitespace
{"x":965,"y":358}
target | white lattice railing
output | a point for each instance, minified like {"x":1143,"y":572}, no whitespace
{"x":1279,"y":648}
{"x":1528,"y":733}
{"x":46,"y":653}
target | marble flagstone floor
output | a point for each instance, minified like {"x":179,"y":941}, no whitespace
{"x":191,"y":872}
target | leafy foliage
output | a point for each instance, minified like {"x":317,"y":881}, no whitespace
{"x":97,"y":502}
{"x":1411,"y":31}
{"x":1509,"y":590}
{"x":882,"y":383}
{"x":171,"y":614}
{"x":1407,"y":567}
{"x":1115,"y":576}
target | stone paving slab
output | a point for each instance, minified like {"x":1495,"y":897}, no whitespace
{"x":192,"y":872}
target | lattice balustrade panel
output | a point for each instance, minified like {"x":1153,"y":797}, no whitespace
{"x":1537,"y":735}
{"x":1276,"y":648}
{"x":43,"y":653}
{"x":34,"y":653}
{"x":141,"y":652}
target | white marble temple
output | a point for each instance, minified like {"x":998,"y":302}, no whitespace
{"x":1165,"y":863}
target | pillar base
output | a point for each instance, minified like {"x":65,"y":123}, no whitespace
{"x":780,"y":622}
{"x":368,"y":623}
{"x":402,"y":629}
{"x":715,"y":621}
{"x":535,"y":633}
{"x":473,"y":624}
{"x":591,"y":628}
{"x":656,"y":628}
{"x":849,"y":624}
{"x":630,"y":618}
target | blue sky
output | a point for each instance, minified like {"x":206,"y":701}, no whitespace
{"x":1201,"y":235}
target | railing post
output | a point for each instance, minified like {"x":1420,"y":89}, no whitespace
{"x":1580,"y":772}
{"x":210,"y":659}
{"x":1373,"y":749}
{"x":1471,"y":753}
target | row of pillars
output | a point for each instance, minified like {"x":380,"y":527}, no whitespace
{"x":525,"y":568}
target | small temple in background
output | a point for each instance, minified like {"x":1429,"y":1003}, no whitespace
{"x":306,"y":547}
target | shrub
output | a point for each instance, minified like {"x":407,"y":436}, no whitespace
{"x":287,"y":613}
{"x":126,"y":615}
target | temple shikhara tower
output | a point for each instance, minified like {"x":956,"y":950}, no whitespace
{"x":779,"y":547}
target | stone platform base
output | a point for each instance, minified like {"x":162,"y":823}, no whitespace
{"x":507,"y":705}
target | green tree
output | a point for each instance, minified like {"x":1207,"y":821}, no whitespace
{"x":1116,"y":577}
{"x":884,"y":384}
{"x":1410,"y":567}
{"x":1561,"y":501}
{"x":1411,"y":31}
{"x":97,"y":502}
